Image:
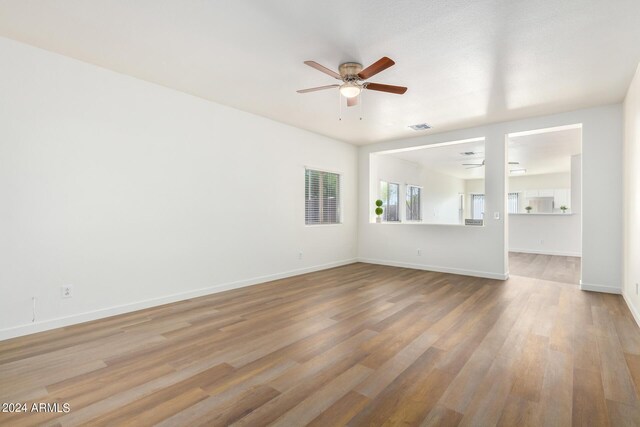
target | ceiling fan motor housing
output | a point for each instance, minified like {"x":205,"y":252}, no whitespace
{"x":349,"y":71}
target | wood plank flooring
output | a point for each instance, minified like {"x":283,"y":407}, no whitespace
{"x":564,"y":269}
{"x":355,"y":345}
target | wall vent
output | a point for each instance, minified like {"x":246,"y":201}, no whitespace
{"x":420,"y":126}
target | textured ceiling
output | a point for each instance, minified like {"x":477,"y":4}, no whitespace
{"x":465,"y":62}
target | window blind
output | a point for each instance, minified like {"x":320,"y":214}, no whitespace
{"x":322,"y":197}
{"x":477,"y":206}
{"x":513,"y":202}
{"x":413,"y":203}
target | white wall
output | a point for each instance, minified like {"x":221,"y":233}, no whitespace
{"x":632,"y":195}
{"x":137,"y":194}
{"x":440,"y":197}
{"x":474,"y":186}
{"x":482,"y":250}
{"x":542,"y":181}
{"x":557,"y":234}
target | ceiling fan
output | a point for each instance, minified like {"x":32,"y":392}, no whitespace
{"x":353,"y":79}
{"x":479,"y":165}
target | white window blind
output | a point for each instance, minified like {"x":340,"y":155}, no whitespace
{"x":477,"y":206}
{"x":413,"y":203}
{"x":322,"y":197}
{"x":390,"y":196}
{"x":513,"y":202}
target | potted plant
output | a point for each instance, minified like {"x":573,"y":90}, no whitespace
{"x":379,"y":210}
{"x":528,"y":209}
{"x":563,"y":208}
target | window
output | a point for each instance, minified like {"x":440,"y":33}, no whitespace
{"x":390,"y":196}
{"x":413,"y":203}
{"x":513,"y":202}
{"x":477,"y":206}
{"x":321,"y":197}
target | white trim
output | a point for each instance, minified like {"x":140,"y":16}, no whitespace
{"x":545,"y":130}
{"x":438,"y":144}
{"x":474,"y":273}
{"x":320,"y":169}
{"x":45,"y":325}
{"x":544,"y":252}
{"x":632,"y":309}
{"x":600,"y":288}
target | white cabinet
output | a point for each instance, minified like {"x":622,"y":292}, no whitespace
{"x":561,"y":197}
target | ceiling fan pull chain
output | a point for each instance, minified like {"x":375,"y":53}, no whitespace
{"x":360,"y":103}
{"x":339,"y":107}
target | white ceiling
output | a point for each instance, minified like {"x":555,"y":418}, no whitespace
{"x":465,"y":62}
{"x":447,"y":159}
{"x":547,"y":152}
{"x":539,"y":153}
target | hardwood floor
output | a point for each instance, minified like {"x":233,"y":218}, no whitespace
{"x":355,"y":345}
{"x":564,"y":269}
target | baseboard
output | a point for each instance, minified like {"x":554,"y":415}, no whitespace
{"x":45,"y":325}
{"x":599,"y":288}
{"x":463,"y":272}
{"x":632,"y":309}
{"x":543,"y":252}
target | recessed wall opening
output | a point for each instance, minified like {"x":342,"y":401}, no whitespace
{"x":544,"y":193}
{"x":432,"y":184}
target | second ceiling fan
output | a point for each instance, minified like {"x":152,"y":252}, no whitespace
{"x":479,"y":165}
{"x":353,"y":79}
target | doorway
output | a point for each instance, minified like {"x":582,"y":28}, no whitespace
{"x":544,"y":193}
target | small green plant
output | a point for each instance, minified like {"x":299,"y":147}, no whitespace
{"x":379,"y":209}
{"x":563,"y":208}
{"x":528,"y":209}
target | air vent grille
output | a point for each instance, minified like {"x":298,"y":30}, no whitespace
{"x":420,"y":126}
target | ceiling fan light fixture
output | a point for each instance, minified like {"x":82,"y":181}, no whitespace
{"x":350,"y":90}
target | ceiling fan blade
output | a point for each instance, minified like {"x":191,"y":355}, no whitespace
{"x":324,"y":69}
{"x":313,"y":89}
{"x":386,"y":88}
{"x":352,"y":101}
{"x":373,"y":69}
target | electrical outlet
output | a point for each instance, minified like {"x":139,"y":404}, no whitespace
{"x":496,"y":215}
{"x":419,"y":252}
{"x":67,"y":291}
{"x":300,"y":255}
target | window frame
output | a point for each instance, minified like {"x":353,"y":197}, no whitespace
{"x":385,"y":203}
{"x":339,"y":205}
{"x":408,"y":197}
